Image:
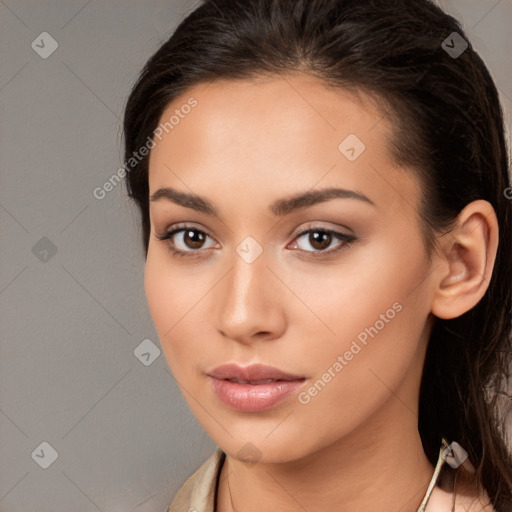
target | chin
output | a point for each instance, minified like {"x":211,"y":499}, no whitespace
{"x":268,"y":449}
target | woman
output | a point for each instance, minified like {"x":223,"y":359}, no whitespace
{"x":323,"y":189}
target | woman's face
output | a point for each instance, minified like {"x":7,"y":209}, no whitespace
{"x":341,"y":313}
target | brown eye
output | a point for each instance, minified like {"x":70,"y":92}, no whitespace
{"x":320,"y":239}
{"x":185,"y":241}
{"x":193,"y":238}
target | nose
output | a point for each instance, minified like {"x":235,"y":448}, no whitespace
{"x":250,"y":302}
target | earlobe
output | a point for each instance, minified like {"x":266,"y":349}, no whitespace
{"x":466,"y":261}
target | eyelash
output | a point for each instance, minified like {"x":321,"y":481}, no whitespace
{"x":346,"y":239}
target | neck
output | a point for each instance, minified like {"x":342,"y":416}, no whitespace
{"x":381,"y":466}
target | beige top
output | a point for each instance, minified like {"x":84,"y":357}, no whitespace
{"x":198,"y":493}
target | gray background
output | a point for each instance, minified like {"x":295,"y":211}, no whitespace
{"x":71,"y":266}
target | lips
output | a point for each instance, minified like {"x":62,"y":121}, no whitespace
{"x":253,"y":388}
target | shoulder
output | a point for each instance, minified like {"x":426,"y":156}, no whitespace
{"x":470,"y":497}
{"x":197,"y":494}
{"x":443,"y":501}
{"x":473,"y":505}
{"x":466,"y":498}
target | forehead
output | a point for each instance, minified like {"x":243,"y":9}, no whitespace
{"x":254,"y":112}
{"x":270,"y":134}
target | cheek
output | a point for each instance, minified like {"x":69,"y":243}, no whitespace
{"x":350,"y":297}
{"x":158,"y":293}
{"x":174,"y":295}
{"x":353,"y":374}
{"x":167,"y":300}
{"x":353,"y":380}
{"x":371,"y":313}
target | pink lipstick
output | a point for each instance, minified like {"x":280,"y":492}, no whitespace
{"x":252,"y":388}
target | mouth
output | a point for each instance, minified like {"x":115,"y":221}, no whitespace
{"x":255,"y":382}
{"x":255,"y":373}
{"x":253,"y":388}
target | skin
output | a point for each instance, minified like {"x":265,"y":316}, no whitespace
{"x":355,"y":446}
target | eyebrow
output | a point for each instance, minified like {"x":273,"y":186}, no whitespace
{"x":279,"y":207}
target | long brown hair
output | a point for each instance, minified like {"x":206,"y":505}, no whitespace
{"x":448,"y":128}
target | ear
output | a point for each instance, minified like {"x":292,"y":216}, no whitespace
{"x":465,"y":260}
